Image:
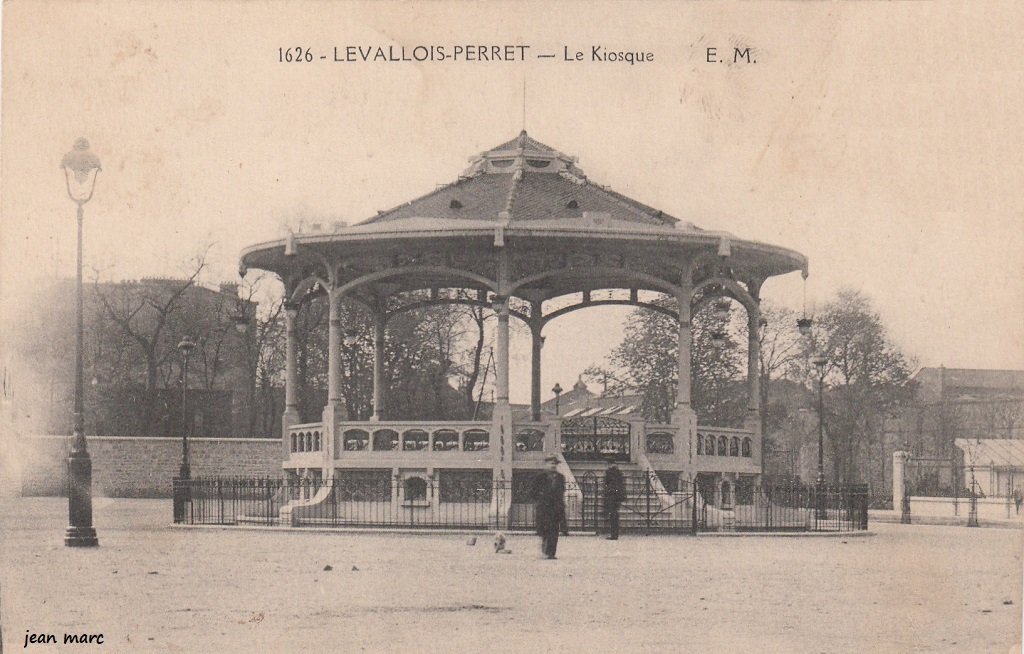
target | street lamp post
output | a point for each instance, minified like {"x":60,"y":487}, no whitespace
{"x":557,"y":390}
{"x":182,"y":492}
{"x":972,"y":513}
{"x":185,"y":347}
{"x":905,"y":518}
{"x":820,"y":513}
{"x":81,"y":167}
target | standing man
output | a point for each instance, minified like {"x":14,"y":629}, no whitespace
{"x":549,"y":494}
{"x":614,"y":496}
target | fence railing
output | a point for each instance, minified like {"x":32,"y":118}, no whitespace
{"x":472,"y":500}
{"x":785,"y":507}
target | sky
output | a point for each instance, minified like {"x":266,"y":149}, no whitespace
{"x":881,"y":140}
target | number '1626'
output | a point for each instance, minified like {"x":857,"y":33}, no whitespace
{"x":288,"y":55}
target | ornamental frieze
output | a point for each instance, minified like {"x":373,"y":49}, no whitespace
{"x":469,"y":262}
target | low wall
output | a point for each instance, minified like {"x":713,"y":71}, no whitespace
{"x":135,"y":466}
{"x":989,"y":508}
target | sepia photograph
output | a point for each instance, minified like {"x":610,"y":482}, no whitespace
{"x":511,"y":327}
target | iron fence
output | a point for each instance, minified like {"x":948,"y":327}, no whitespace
{"x":785,"y":507}
{"x":472,"y":500}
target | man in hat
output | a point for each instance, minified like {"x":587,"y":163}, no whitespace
{"x":549,"y":495}
{"x":614,"y":496}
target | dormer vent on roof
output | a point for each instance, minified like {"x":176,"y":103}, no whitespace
{"x":521,"y":153}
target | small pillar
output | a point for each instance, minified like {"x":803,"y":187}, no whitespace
{"x":752,"y":422}
{"x":291,"y":378}
{"x":335,"y":410}
{"x":334,"y":377}
{"x":537,"y":343}
{"x":683,"y":414}
{"x":501,"y":422}
{"x":900,"y":494}
{"x":379,"y":323}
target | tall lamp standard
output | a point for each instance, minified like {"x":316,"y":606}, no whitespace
{"x":81,"y":167}
{"x":185,"y":347}
{"x":820,"y":362}
{"x":182,"y":492}
{"x":557,"y":390}
{"x":241,"y":320}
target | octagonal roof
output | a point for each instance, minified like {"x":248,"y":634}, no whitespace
{"x":524,"y":180}
{"x":537,"y":197}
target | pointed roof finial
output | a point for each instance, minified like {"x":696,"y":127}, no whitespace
{"x":524,"y":105}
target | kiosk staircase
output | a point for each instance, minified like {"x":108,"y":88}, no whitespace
{"x":646,"y":507}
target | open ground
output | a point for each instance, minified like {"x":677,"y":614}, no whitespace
{"x":151,"y":587}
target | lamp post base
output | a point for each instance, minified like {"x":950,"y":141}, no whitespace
{"x":820,"y":512}
{"x":80,"y":531}
{"x":80,"y":537}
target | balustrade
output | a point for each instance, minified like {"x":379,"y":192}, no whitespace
{"x":735,"y":449}
{"x":305,"y":438}
{"x":441,"y":438}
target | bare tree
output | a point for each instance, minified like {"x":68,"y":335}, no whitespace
{"x":143,"y":311}
{"x":867,"y":378}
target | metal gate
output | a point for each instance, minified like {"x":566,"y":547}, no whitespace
{"x":595,"y":438}
{"x":646,"y":509}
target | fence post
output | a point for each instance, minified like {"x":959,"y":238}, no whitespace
{"x":900,"y":487}
{"x":693,"y":510}
{"x":178,"y":504}
{"x":647,"y":503}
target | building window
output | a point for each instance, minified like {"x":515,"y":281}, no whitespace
{"x":700,"y":444}
{"x":726,"y":494}
{"x":385,"y":439}
{"x":446,"y":439}
{"x":414,"y":439}
{"x":660,"y":443}
{"x":747,"y":450}
{"x":734,"y":446}
{"x":355,"y":439}
{"x":363,"y":486}
{"x":475,"y":440}
{"x":745,"y":490}
{"x":465,"y":486}
{"x":723,"y":445}
{"x":530,"y":440}
{"x":710,"y":449}
{"x":415,"y":489}
{"x":523,"y":484}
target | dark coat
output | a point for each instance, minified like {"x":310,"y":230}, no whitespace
{"x":549,"y":495}
{"x":614,"y":487}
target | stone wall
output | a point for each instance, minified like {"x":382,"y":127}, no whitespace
{"x":135,"y":466}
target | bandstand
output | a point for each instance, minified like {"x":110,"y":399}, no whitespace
{"x":524,"y":232}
